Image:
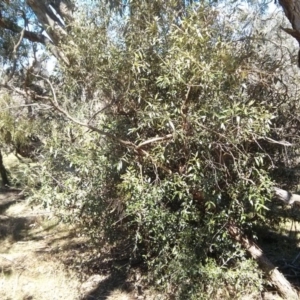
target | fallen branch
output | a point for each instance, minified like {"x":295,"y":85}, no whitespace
{"x":281,"y":284}
{"x":286,"y":196}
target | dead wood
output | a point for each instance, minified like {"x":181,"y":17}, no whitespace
{"x":277,"y":279}
{"x":286,"y":196}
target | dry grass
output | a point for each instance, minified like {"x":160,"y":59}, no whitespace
{"x":33,"y":247}
{"x":28,"y":269}
{"x":32,"y":276}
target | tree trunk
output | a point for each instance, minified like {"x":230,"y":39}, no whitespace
{"x":54,"y":16}
{"x":3,"y":172}
{"x":292,"y":11}
{"x":283,"y":287}
{"x":48,"y":19}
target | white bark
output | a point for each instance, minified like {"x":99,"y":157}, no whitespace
{"x":48,"y":19}
{"x":286,"y":196}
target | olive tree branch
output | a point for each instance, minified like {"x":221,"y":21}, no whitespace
{"x":136,"y":148}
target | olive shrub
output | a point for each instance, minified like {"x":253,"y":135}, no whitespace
{"x":176,"y":153}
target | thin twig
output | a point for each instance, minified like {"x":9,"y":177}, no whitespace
{"x":102,"y":109}
{"x":26,"y":105}
{"x":14,"y":53}
{"x":153,"y":140}
{"x":283,"y":143}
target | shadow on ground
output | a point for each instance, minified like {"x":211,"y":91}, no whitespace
{"x":40,"y":253}
{"x":12,"y":227}
{"x":116,"y":281}
{"x":9,"y":197}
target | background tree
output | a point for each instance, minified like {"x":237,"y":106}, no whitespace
{"x":292,"y":11}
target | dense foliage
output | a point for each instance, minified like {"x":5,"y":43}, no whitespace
{"x":159,"y":138}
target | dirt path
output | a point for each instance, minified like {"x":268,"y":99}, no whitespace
{"x":34,"y":249}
